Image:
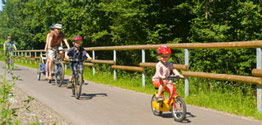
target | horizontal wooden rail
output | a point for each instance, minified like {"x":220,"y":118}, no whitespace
{"x":176,"y":66}
{"x":216,"y":45}
{"x":131,"y":68}
{"x":103,"y":61}
{"x":257,"y":72}
{"x":30,"y":50}
{"x":85,"y":64}
{"x":236,"y":78}
{"x":88,"y":64}
{"x":99,"y":61}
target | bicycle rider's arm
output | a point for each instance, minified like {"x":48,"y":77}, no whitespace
{"x":88,"y":56}
{"x":67,"y":45}
{"x":46,"y":44}
{"x":66,"y":55}
{"x":61,"y":44}
{"x":49,"y":43}
{"x":177,"y":73}
{"x":14,"y":47}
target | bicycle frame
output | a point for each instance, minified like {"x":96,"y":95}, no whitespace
{"x":173,"y":94}
{"x":178,"y":110}
{"x":77,"y":71}
{"x":166,"y":104}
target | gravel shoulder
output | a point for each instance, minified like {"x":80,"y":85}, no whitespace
{"x":34,"y":111}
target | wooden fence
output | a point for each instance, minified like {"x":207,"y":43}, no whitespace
{"x":255,"y":79}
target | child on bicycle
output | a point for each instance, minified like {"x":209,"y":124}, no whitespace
{"x":76,"y":52}
{"x":163,"y":68}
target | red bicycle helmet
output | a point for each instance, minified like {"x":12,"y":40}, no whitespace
{"x":163,"y":50}
{"x":77,"y":37}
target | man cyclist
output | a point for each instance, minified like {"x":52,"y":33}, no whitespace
{"x":9,"y":47}
{"x":55,"y":41}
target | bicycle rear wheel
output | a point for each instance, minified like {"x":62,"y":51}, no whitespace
{"x":179,"y":113}
{"x":59,"y":74}
{"x":78,"y":85}
{"x":38,"y":75}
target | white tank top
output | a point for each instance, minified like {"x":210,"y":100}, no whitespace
{"x":164,"y":70}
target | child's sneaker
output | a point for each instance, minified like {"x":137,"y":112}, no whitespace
{"x":159,"y":98}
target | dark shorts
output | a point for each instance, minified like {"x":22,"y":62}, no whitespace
{"x":78,"y":65}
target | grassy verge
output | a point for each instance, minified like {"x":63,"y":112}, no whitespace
{"x":235,"y":98}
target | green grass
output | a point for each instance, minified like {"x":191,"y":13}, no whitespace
{"x":235,"y":98}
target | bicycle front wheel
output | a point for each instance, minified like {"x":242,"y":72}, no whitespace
{"x":179,"y":112}
{"x":78,"y":85}
{"x":59,"y":74}
{"x":154,"y":106}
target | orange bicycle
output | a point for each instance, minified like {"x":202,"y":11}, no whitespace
{"x":174,"y":103}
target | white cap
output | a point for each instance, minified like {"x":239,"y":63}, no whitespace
{"x":57,"y":26}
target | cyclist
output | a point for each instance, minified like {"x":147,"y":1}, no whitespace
{"x":55,"y":41}
{"x":9,"y":47}
{"x":76,"y":52}
{"x":163,"y":68}
{"x":46,"y":51}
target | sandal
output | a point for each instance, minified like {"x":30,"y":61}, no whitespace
{"x":159,"y":98}
{"x":50,"y":78}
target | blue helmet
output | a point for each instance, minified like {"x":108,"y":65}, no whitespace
{"x":52,"y":27}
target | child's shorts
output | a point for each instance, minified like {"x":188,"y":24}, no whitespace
{"x":158,"y":82}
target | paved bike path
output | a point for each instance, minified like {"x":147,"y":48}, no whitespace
{"x":107,"y":105}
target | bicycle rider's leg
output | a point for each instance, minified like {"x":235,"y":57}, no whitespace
{"x":72,"y":73}
{"x":47,"y":68}
{"x":51,"y":60}
{"x":169,"y":88}
{"x":161,"y":87}
{"x":158,"y":84}
{"x":81,"y":69}
{"x":72,"y":67}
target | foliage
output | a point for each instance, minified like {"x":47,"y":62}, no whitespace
{"x":135,"y":22}
{"x":7,"y":113}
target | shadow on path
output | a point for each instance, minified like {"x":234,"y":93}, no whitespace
{"x":186,"y":120}
{"x":18,"y":69}
{"x":85,"y":96}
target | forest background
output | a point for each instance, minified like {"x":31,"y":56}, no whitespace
{"x":140,"y":22}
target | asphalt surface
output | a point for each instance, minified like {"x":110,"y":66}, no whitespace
{"x":106,"y":105}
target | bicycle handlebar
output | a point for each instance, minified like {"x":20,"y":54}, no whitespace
{"x":170,"y":77}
